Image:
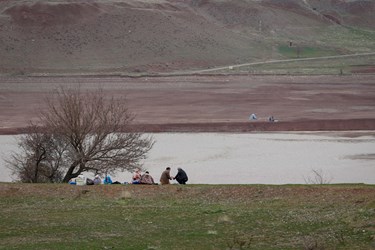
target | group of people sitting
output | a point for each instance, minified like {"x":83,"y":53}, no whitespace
{"x":82,"y":180}
{"x":137,"y":178}
{"x":181,"y":177}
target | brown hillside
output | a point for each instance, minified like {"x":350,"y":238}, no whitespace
{"x":351,"y":13}
{"x":134,"y":36}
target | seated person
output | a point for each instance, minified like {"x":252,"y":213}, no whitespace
{"x":136,"y":179}
{"x":253,"y":117}
{"x":81,"y":180}
{"x":271,"y":119}
{"x":147,"y":179}
{"x":97,"y":180}
{"x":107,"y":180}
{"x":89,"y":181}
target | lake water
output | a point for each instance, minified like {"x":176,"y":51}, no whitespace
{"x":265,"y":158}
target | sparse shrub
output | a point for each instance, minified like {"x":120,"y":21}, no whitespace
{"x":318,"y":177}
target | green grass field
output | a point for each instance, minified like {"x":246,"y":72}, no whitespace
{"x":305,"y":51}
{"x":58,"y":216}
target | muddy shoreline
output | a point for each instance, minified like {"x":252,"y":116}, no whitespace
{"x":210,"y":103}
{"x":243,"y":127}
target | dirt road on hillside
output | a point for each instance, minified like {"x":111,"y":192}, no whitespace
{"x":211,"y":103}
{"x":278,"y":61}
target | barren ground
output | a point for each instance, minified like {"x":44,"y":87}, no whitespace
{"x":213,"y":192}
{"x":211,"y":103}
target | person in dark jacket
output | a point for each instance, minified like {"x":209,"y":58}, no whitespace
{"x":181,"y":176}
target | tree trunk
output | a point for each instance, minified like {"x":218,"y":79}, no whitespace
{"x":69,"y":175}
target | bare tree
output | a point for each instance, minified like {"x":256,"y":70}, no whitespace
{"x":40,"y":158}
{"x":89,"y":133}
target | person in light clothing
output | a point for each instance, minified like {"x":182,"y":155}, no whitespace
{"x":136,"y":179}
{"x":146,"y":178}
{"x":97,"y":180}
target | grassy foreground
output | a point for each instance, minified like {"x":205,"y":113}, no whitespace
{"x":61,"y":216}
